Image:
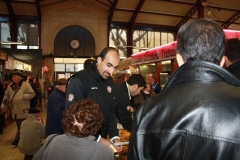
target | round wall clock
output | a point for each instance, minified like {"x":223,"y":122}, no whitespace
{"x":74,"y":44}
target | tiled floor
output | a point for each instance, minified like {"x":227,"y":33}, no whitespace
{"x":8,"y":151}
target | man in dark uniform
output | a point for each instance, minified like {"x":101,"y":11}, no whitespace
{"x":96,"y":84}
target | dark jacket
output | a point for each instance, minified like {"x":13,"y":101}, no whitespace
{"x":122,"y":102}
{"x":235,"y":69}
{"x":55,"y":109}
{"x":89,"y":84}
{"x":142,"y":97}
{"x":195,"y":117}
{"x":156,"y":87}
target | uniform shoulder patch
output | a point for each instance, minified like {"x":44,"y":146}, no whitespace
{"x":70,"y":97}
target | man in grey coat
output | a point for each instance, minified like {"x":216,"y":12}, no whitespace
{"x":17,"y":97}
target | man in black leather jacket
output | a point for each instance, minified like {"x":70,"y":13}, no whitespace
{"x":196,"y":116}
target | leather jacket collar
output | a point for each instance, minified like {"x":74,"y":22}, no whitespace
{"x":198,"y":70}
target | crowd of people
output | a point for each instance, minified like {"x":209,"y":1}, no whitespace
{"x":195,"y":116}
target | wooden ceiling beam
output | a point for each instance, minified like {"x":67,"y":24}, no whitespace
{"x":231,"y":20}
{"x":38,"y":7}
{"x":189,"y":14}
{"x":110,"y":16}
{"x":150,"y":12}
{"x":135,"y":13}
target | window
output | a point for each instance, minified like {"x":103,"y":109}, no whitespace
{"x":5,"y":34}
{"x":27,"y":33}
{"x":118,"y":39}
{"x":141,"y":40}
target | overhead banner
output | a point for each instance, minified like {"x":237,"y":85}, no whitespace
{"x":165,"y":52}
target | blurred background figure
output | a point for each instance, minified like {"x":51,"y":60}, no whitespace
{"x":232,"y":56}
{"x":33,"y":101}
{"x":17,"y":97}
{"x":88,"y":63}
{"x":154,"y":84}
{"x":81,"y":121}
{"x":31,"y":132}
{"x":124,"y":94}
{"x":55,"y":108}
{"x":2,"y":114}
{"x":145,"y":94}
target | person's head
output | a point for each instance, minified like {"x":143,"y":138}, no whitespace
{"x":147,"y":88}
{"x":107,"y":61}
{"x":16,"y":77}
{"x":136,"y":83}
{"x":82,"y":118}
{"x":88,"y":63}
{"x":126,"y":77}
{"x":30,"y":80}
{"x":232,"y":53}
{"x":200,"y":39}
{"x":61,"y":84}
{"x":150,"y":77}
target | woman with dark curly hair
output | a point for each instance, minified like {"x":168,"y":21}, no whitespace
{"x":80,"y":123}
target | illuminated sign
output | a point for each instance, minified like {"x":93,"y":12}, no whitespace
{"x":157,"y":54}
{"x":168,"y":51}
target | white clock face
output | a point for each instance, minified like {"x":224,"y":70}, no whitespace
{"x":74,"y":44}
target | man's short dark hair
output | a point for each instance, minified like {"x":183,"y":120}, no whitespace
{"x":233,"y":49}
{"x":137,"y":79}
{"x":201,"y":39}
{"x":106,"y":50}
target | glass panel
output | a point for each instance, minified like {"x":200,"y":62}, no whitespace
{"x":135,"y":51}
{"x":33,"y":35}
{"x":33,"y":47}
{"x":5,"y":32}
{"x":23,"y":33}
{"x":78,"y":67}
{"x":60,"y":76}
{"x":67,"y":75}
{"x":164,"y":38}
{"x":70,"y":67}
{"x":22,"y":47}
{"x":59,"y":67}
{"x":157,"y":39}
{"x":170,"y":37}
{"x":5,"y":35}
{"x":143,"y":38}
{"x":151,"y":38}
{"x":118,"y":39}
{"x":135,"y":38}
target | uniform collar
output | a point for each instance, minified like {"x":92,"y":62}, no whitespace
{"x":128,"y":90}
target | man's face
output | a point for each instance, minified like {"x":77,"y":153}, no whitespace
{"x":62,"y":88}
{"x":135,"y":90}
{"x":148,"y":88}
{"x":16,"y":78}
{"x":150,"y":78}
{"x":108,"y":65}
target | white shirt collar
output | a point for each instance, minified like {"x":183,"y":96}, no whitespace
{"x":128,"y":91}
